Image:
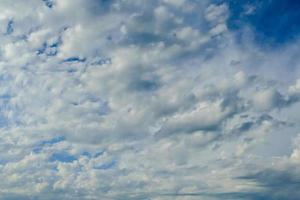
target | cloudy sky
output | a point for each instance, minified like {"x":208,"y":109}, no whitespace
{"x":149,"y":99}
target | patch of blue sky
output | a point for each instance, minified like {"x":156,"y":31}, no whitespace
{"x":38,"y":148}
{"x":273,"y":22}
{"x":66,"y":157}
{"x":56,"y":44}
{"x":99,"y":154}
{"x":62,"y":157}
{"x":87,"y":154}
{"x":5,"y":96}
{"x":92,"y":155}
{"x":54,"y":140}
{"x":48,"y":3}
{"x":74,"y":59}
{"x":42,"y":49}
{"x":3,"y":162}
{"x":9,"y":27}
{"x":48,"y":50}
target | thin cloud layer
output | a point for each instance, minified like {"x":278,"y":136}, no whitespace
{"x":144,"y":100}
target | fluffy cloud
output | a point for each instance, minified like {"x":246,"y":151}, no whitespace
{"x":142,"y":100}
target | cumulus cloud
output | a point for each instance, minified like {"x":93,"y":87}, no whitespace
{"x":142,"y":100}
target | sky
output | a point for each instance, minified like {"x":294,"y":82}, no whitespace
{"x":149,"y":99}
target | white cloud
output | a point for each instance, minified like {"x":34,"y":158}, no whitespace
{"x":135,"y":100}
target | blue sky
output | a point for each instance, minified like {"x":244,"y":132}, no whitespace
{"x":273,"y":22}
{"x":149,"y":100}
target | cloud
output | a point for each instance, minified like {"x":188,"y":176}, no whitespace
{"x":276,"y":184}
{"x":143,"y":100}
